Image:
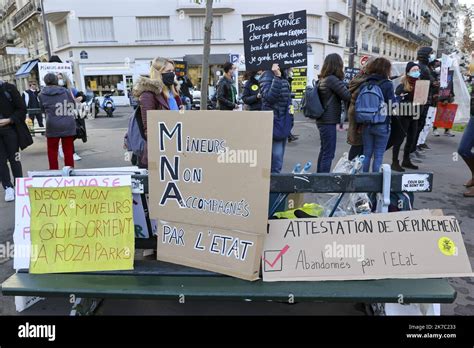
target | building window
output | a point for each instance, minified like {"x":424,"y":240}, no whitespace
{"x":197,"y":27}
{"x":333,"y":32}
{"x":153,"y":28}
{"x":103,"y":84}
{"x":315,"y":27}
{"x":96,"y":29}
{"x":62,"y":34}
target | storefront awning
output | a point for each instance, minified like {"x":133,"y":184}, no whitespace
{"x":26,"y":68}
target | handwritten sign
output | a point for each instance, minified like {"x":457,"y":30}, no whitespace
{"x":209,"y":188}
{"x":56,"y":68}
{"x":349,"y":74}
{"x":422,"y":89}
{"x":277,"y":39}
{"x":299,"y":82}
{"x":415,"y":182}
{"x":446,"y":92}
{"x":21,"y":235}
{"x":76,"y":229}
{"x":414,"y":244}
{"x":445,"y":115}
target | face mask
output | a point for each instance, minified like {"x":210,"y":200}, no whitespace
{"x":414,"y":74}
{"x":438,"y":70}
{"x":168,"y":78}
{"x":432,"y":57}
{"x":61,"y":82}
{"x":257,"y":77}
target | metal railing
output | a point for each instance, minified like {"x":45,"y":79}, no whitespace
{"x":30,"y":8}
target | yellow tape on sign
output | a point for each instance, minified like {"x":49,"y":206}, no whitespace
{"x":77,"y":229}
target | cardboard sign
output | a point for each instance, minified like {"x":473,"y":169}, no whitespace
{"x":21,"y":235}
{"x":76,"y":229}
{"x":209,"y":177}
{"x":422,"y":89}
{"x":415,"y":182}
{"x":411,"y":244}
{"x":445,"y":115}
{"x":349,"y":74}
{"x":181,"y":68}
{"x":446,"y":92}
{"x":56,"y":68}
{"x":299,"y":82}
{"x":277,"y":39}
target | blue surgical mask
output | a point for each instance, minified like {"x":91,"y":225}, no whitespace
{"x":415,"y":74}
{"x":257,"y":77}
{"x":432,"y":57}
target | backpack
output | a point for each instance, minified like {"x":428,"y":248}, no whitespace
{"x":370,"y":105}
{"x":311,"y":104}
{"x":135,"y":137}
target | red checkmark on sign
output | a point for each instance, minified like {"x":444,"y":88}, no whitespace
{"x":280,"y":254}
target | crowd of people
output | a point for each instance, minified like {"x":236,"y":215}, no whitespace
{"x":263,"y":90}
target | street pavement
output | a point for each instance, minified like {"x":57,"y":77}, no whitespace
{"x":104,"y":149}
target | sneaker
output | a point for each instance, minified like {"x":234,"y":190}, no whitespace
{"x":409,"y":165}
{"x":9,"y":194}
{"x":426,"y":147}
{"x":419,"y":149}
{"x":449,"y":134}
{"x":436,"y":133}
{"x":76,"y":157}
{"x":60,"y":151}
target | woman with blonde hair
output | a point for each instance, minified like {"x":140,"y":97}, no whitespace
{"x":158,"y":92}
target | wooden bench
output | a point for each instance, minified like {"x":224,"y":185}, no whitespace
{"x":152,"y":279}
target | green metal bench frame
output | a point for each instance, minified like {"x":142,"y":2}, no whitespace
{"x":159,"y":280}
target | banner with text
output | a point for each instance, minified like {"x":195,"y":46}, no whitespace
{"x":209,"y":188}
{"x":413,"y":244}
{"x":277,"y":39}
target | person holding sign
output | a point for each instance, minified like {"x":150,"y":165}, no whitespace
{"x":276,"y":96}
{"x":466,"y":150}
{"x":251,"y":95}
{"x":404,"y":125}
{"x":332,"y":91}
{"x":226,"y":91}
{"x":59,"y":106}
{"x":159,"y":92}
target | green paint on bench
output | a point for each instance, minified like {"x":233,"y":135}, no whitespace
{"x":226,"y":288}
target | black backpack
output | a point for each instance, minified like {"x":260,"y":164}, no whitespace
{"x":311,"y":105}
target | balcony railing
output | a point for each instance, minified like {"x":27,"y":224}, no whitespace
{"x":6,"y":40}
{"x":10,"y":7}
{"x":25,"y":12}
{"x":383,"y":17}
{"x":426,"y":40}
{"x":395,"y":28}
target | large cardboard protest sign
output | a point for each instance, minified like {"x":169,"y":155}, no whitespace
{"x":209,"y":177}
{"x":422,"y":89}
{"x":76,"y":229}
{"x":21,"y":235}
{"x":55,"y":68}
{"x":277,"y":39}
{"x":415,"y":244}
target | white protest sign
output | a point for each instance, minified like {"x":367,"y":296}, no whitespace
{"x":415,"y":182}
{"x":411,"y":244}
{"x":55,"y":68}
{"x":21,"y":235}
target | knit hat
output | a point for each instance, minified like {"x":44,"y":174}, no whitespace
{"x":409,"y":66}
{"x":424,"y":52}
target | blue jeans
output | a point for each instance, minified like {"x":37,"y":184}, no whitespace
{"x":328,"y":135}
{"x":375,"y":139}
{"x":466,"y":145}
{"x":278,"y":151}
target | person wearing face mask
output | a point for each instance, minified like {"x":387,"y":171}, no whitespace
{"x":185,"y":91}
{"x":226,"y":91}
{"x":425,"y":56}
{"x":159,"y":92}
{"x":404,"y":125}
{"x":251,"y":95}
{"x":440,"y":96}
{"x":30,"y":97}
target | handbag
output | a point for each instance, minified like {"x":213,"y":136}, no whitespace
{"x":80,"y":130}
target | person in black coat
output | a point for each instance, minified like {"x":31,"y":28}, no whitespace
{"x":32,"y":102}
{"x":251,"y":95}
{"x":332,"y":92}
{"x":13,"y":136}
{"x":226,"y":91}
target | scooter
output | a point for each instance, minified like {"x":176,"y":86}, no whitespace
{"x":108,"y":104}
{"x":93,"y":107}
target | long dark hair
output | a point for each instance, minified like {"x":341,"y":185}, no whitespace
{"x":380,"y":66}
{"x":333,"y":65}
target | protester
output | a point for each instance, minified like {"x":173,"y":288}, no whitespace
{"x":226,"y":91}
{"x":332,"y":91}
{"x":438,"y":96}
{"x":276,"y":96}
{"x":159,"y":92}
{"x":354,"y":132}
{"x":186,"y":86}
{"x":252,"y":96}
{"x":375,"y":136}
{"x":58,"y":105}
{"x":405,"y":124}
{"x":13,"y":136}
{"x":289,"y":76}
{"x":30,"y":96}
{"x":466,"y":149}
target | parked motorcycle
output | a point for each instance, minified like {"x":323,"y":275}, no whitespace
{"x":93,"y":107}
{"x":108,"y":104}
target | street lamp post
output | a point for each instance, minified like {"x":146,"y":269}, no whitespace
{"x":46,"y":33}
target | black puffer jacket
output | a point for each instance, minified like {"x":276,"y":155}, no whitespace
{"x":423,"y":56}
{"x":332,"y":86}
{"x":249,"y":96}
